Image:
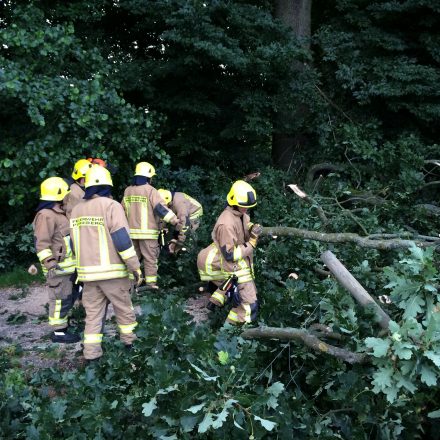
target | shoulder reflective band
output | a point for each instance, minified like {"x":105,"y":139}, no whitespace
{"x":45,"y":253}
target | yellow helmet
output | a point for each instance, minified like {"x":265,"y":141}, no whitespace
{"x":54,"y":189}
{"x":80,"y":169}
{"x":98,"y":175}
{"x":166,"y":195}
{"x":145,"y":169}
{"x":242,"y":194}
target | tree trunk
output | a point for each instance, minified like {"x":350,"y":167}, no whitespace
{"x":297,"y":15}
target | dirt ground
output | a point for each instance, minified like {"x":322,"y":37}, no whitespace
{"x":23,"y":323}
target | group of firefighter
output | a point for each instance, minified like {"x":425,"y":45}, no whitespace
{"x":90,"y":246}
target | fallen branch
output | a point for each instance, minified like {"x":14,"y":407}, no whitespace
{"x":324,"y":331}
{"x":307,"y":339}
{"x":349,"y":237}
{"x":349,"y":282}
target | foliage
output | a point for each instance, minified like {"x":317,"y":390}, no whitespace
{"x":408,"y":359}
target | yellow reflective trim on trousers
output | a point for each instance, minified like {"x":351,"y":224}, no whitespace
{"x":219,"y":297}
{"x":169,"y":216}
{"x":128,"y":253}
{"x":57,"y":321}
{"x":56,"y":313}
{"x":237,"y":253}
{"x":151,"y":279}
{"x":127,"y":328}
{"x":45,"y":253}
{"x":92,"y":338}
{"x":247,"y":313}
{"x":233,"y":316}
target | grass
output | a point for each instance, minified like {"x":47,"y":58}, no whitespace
{"x":19,"y":277}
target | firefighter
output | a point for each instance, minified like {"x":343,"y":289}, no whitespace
{"x":76,"y":193}
{"x":105,"y":259}
{"x":187,"y":210}
{"x":145,"y":208}
{"x":227,"y":262}
{"x":52,"y":244}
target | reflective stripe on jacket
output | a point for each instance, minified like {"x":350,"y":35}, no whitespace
{"x":52,"y":240}
{"x":144,"y":207}
{"x":186,"y":208}
{"x":230,"y":253}
{"x":101,"y":242}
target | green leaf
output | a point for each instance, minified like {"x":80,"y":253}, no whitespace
{"x":434,"y":414}
{"x":434,"y":357}
{"x":223,"y":357}
{"x":148,"y":408}
{"x":380,"y":346}
{"x":196,"y":408}
{"x":266,"y":424}
{"x":382,"y":379}
{"x":394,"y":327}
{"x":403,"y":350}
{"x":114,"y":404}
{"x":206,"y":423}
{"x":276,"y":389}
{"x":205,"y":376}
{"x":428,"y":376}
{"x":413,"y":306}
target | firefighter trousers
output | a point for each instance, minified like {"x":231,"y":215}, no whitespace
{"x":96,"y":297}
{"x":148,"y":250}
{"x":59,"y":289}
{"x":247,"y":310}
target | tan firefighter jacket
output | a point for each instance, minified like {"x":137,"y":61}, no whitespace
{"x":75,"y":196}
{"x":52,"y":241}
{"x":186,"y":209}
{"x":101,"y":242}
{"x":230,"y":253}
{"x":145,"y":208}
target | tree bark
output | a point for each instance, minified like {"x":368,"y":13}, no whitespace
{"x":307,"y":339}
{"x":297,"y":15}
{"x":349,"y":282}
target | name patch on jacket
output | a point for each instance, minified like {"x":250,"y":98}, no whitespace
{"x":136,"y":199}
{"x":86,"y":221}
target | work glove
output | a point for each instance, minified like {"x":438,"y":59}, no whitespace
{"x":137,"y":274}
{"x":52,"y":271}
{"x":255,"y":232}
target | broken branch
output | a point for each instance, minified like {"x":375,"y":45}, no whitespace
{"x":307,"y":339}
{"x":349,"y":237}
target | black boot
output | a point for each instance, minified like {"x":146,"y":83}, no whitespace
{"x":63,"y":337}
{"x":211,"y":306}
